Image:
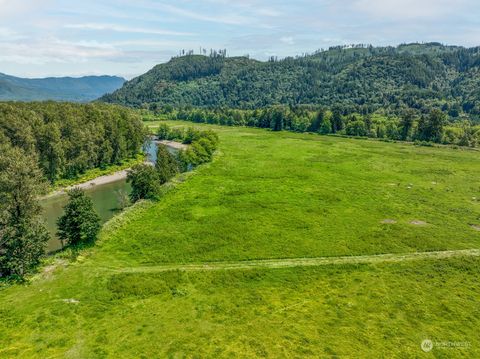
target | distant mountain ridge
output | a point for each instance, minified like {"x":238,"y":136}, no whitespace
{"x":82,"y":89}
{"x":358,"y":78}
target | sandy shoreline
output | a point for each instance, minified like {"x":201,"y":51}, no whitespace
{"x":172,"y":144}
{"x":114,"y":177}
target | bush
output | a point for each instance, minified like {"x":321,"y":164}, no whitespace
{"x":356,"y":128}
{"x":163,"y":132}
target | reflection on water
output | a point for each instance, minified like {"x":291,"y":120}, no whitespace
{"x":150,"y":149}
{"x":106,"y":200}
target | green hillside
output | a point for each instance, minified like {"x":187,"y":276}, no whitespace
{"x":359,"y":79}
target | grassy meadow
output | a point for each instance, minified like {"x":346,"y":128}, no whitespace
{"x":272,"y":195}
{"x":280,"y":195}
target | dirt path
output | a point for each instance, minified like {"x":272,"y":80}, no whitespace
{"x":303,"y":262}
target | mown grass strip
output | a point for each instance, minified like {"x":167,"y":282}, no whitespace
{"x":304,"y":262}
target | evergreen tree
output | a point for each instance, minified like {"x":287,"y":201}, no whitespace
{"x":407,"y":121}
{"x":277,"y":119}
{"x":145,"y":182}
{"x":166,"y":165}
{"x":80,"y":222}
{"x":337,"y":120}
{"x":23,"y":236}
{"x":52,"y":151}
{"x":430,"y":128}
{"x":69,"y":139}
{"x":318,"y":121}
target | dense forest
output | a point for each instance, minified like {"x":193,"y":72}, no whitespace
{"x":408,"y":126}
{"x":68,"y":139}
{"x":361,"y":79}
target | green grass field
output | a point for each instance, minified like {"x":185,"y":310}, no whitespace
{"x":275,"y":196}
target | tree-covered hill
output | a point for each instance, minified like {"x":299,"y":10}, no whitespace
{"x":359,"y":78}
{"x":81,"y":89}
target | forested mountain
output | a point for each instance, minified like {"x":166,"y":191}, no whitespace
{"x":359,"y":78}
{"x":81,"y":89}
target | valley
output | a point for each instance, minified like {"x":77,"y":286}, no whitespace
{"x":145,"y":288}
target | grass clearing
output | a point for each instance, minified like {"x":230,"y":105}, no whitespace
{"x":376,"y":310}
{"x":282,"y":195}
{"x":272,"y":196}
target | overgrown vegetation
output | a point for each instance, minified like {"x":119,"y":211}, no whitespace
{"x":358,"y":79}
{"x":69,"y":139}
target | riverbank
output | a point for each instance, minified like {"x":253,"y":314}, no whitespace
{"x":98,"y":177}
{"x":172,"y":144}
{"x":114,"y":177}
{"x":94,"y":173}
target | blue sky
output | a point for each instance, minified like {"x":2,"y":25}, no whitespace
{"x":122,"y":37}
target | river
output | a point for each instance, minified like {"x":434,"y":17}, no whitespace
{"x":105,"y":198}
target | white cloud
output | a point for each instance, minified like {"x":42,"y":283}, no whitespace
{"x":230,"y":19}
{"x":287,"y":40}
{"x":53,"y":50}
{"x":232,"y":15}
{"x":10,"y":8}
{"x":172,"y":45}
{"x":408,"y":9}
{"x":125,"y":29}
{"x":8,"y":33}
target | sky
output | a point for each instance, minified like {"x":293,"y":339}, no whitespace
{"x":41,"y":38}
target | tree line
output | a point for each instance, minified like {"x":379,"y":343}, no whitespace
{"x":408,"y":126}
{"x":68,"y":139}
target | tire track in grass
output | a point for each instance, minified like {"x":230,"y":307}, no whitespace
{"x":301,"y":262}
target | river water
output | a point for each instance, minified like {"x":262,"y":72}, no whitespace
{"x":106,"y":199}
